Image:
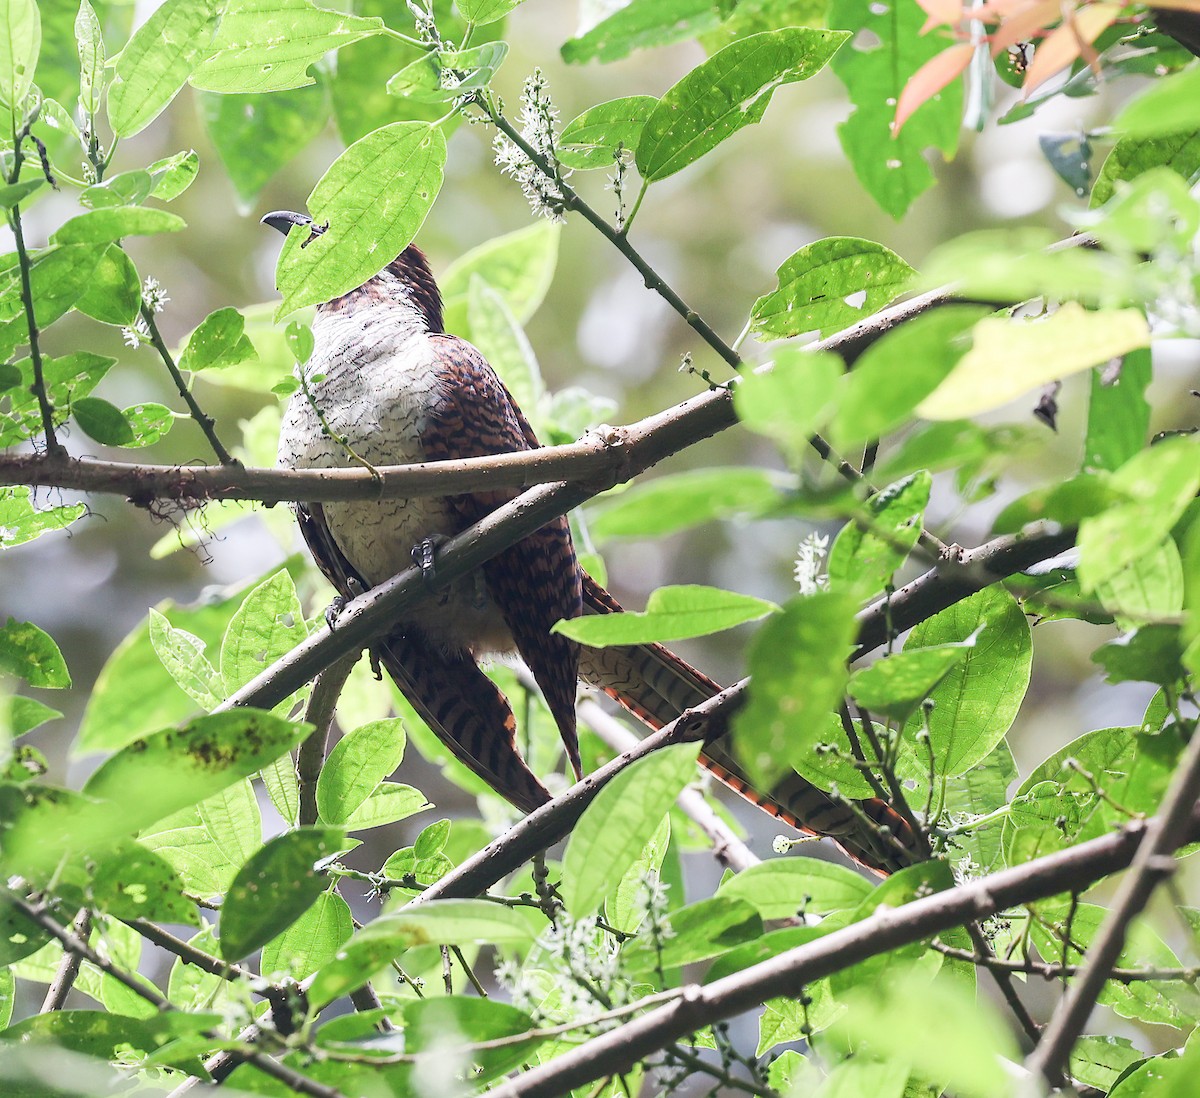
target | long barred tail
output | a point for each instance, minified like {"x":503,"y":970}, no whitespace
{"x":657,"y":686}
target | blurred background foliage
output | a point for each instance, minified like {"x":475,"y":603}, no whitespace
{"x":716,"y":231}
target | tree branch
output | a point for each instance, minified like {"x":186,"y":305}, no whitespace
{"x":617,"y":1050}
{"x":957,"y":577}
{"x":68,"y":967}
{"x":327,"y":687}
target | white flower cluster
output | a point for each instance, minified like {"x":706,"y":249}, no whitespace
{"x":537,"y":118}
{"x":155,"y":298}
{"x":810,"y":559}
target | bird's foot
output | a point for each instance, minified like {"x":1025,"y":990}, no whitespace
{"x":335,"y":609}
{"x":373,"y":656}
{"x":424,"y":554}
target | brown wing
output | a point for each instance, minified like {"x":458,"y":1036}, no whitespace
{"x":657,"y":686}
{"x":537,"y":581}
{"x":459,"y":702}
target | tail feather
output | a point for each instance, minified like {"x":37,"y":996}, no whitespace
{"x":468,"y":713}
{"x":657,"y":686}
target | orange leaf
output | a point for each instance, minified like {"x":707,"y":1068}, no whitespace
{"x":1068,"y":42}
{"x":1025,"y":24}
{"x":949,"y":12}
{"x":930,"y":79}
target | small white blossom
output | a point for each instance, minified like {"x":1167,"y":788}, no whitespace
{"x":154,"y":295}
{"x":537,"y":118}
{"x":136,"y":335}
{"x":781,"y":844}
{"x":810,"y":558}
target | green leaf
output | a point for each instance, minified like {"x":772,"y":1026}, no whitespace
{"x":830,"y":285}
{"x":311,"y":941}
{"x":274,"y":888}
{"x":12,"y":193}
{"x":440,"y":76}
{"x":20,"y":521}
{"x":31,"y":654}
{"x":1171,"y":106}
{"x":798,"y":670}
{"x":481,"y":12}
{"x":977,"y":701}
{"x":24,"y":715}
{"x":89,"y":45}
{"x":20,"y":42}
{"x":625,"y":906}
{"x":680,"y":501}
{"x":219,"y":341}
{"x":784,"y":887}
{"x":728,"y":91}
{"x":102,"y":421}
{"x":173,"y":175}
{"x":106,"y":1036}
{"x":132,"y":882}
{"x":355,"y":767}
{"x":19,"y":936}
{"x":114,"y":291}
{"x":496,"y":332}
{"x":268,"y":45}
{"x":1099,"y":1061}
{"x":428,"y":1022}
{"x":641,"y":24}
{"x":672,"y":613}
{"x":617,"y":825}
{"x":898,"y":373}
{"x":157,"y":61}
{"x":148,"y":423}
{"x":595,"y":138}
{"x":1012,"y":357}
{"x":268,"y":625}
{"x":109,"y":225}
{"x":1147,"y":588}
{"x":888,"y":49}
{"x":232,"y":820}
{"x":1066,"y":502}
{"x":1158,"y":484}
{"x":375,"y":197}
{"x":439,"y":922}
{"x":792,"y":400}
{"x":519,"y":266}
{"x":696,"y":933}
{"x":390,"y":802}
{"x":58,"y":277}
{"x":123,"y":189}
{"x":256,"y":135}
{"x":170,"y":770}
{"x":896,"y":685}
{"x":1152,"y":653}
{"x":867,"y":551}
{"x":896,"y":1017}
{"x":1131,"y":156}
{"x":1118,"y":414}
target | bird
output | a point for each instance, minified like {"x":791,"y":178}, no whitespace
{"x":389,"y":386}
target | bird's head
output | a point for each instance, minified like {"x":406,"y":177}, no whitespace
{"x":407,"y":276}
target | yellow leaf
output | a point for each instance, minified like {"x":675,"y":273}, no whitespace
{"x":1070,"y":40}
{"x":1009,"y":358}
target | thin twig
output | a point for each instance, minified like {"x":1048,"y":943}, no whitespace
{"x":1047,"y":971}
{"x":54,"y":448}
{"x":206,"y":423}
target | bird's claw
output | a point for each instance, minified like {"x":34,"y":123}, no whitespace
{"x":424,"y":554}
{"x":334,"y":611}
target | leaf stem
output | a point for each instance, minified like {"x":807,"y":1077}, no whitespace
{"x":637,"y":205}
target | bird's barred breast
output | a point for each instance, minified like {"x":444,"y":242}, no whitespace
{"x":376,"y":390}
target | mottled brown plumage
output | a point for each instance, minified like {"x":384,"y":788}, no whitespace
{"x":402,"y":390}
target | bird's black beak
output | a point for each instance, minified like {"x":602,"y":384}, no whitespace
{"x":284,"y":220}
